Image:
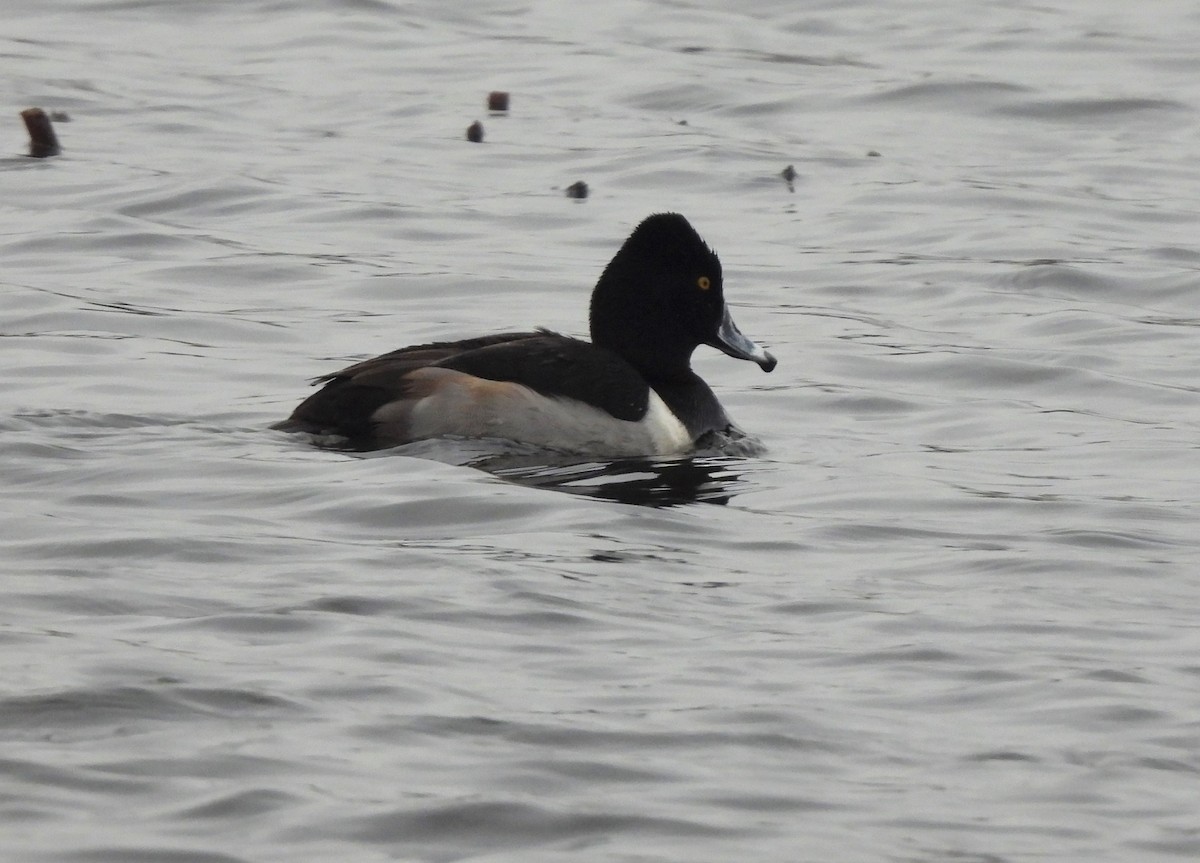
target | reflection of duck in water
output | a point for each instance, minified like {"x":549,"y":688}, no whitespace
{"x":644,"y":482}
{"x":630,"y":391}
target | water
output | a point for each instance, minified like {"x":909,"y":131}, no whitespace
{"x":948,"y":615}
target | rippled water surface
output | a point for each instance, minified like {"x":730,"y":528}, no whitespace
{"x":949,"y":614}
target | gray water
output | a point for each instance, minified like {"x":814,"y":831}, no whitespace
{"x":949,"y":614}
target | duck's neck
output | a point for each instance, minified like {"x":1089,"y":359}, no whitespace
{"x":655,"y":351}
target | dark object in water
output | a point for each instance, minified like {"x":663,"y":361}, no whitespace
{"x":42,"y":140}
{"x":629,"y":392}
{"x":789,"y":177}
{"x":578,"y":189}
{"x":497,"y":100}
{"x":475,"y":133}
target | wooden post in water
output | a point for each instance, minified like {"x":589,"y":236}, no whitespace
{"x":42,"y":140}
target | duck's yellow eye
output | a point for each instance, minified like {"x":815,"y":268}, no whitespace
{"x":703,"y":283}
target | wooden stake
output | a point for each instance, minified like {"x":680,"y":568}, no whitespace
{"x":42,"y":140}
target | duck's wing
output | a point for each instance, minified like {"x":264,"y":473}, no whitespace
{"x":350,"y":396}
{"x":563,"y":368}
{"x":551,"y":365}
{"x":403,"y":360}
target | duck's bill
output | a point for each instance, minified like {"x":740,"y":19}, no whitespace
{"x":730,"y":340}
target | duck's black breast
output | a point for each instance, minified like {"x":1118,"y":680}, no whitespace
{"x":694,"y":403}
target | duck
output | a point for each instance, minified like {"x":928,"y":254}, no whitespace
{"x":629,"y":392}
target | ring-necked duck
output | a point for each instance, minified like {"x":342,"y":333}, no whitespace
{"x":631,"y":391}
